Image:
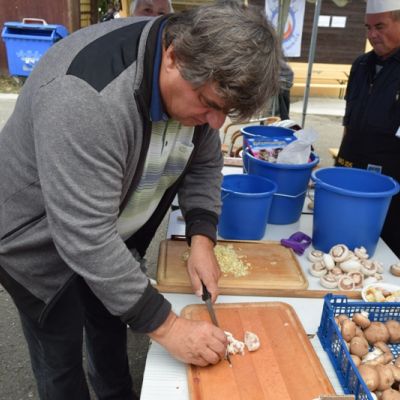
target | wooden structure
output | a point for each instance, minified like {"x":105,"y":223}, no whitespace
{"x":336,"y":49}
{"x":332,"y":61}
{"x":330,"y":79}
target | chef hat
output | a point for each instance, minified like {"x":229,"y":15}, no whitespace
{"x":381,"y":6}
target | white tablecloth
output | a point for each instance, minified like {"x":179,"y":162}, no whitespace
{"x":165,"y":378}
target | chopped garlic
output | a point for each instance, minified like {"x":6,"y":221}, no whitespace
{"x":229,"y":261}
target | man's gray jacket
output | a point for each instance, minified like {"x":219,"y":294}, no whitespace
{"x":70,"y":156}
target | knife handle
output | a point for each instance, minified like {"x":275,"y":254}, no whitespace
{"x":206,"y":294}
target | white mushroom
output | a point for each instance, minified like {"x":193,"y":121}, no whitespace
{"x":339,"y":253}
{"x":328,"y":261}
{"x":358,"y":279}
{"x":315,"y":255}
{"x":379,"y":266}
{"x":378,"y":277}
{"x":361,"y":252}
{"x":350,"y":265}
{"x":318,"y":269}
{"x":395,"y":269}
{"x":368,"y":267}
{"x":328,"y":281}
{"x":337,"y":272}
{"x":346,"y":283}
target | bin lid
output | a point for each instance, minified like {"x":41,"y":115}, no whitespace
{"x":60,"y":30}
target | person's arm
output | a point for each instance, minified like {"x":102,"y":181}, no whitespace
{"x":200,"y":201}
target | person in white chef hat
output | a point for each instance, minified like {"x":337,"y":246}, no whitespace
{"x":371,"y":137}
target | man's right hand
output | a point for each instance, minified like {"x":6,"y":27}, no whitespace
{"x":193,"y":342}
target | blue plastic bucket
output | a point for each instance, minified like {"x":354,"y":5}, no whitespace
{"x":265,"y":131}
{"x":350,"y":207}
{"x":292,"y":181}
{"x":246,"y":202}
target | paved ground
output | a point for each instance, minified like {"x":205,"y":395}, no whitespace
{"x":16,"y":380}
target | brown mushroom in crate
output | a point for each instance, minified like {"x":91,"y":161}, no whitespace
{"x":359,"y":332}
{"x":359,"y":346}
{"x":370,"y":376}
{"x":356,"y":360}
{"x":386,"y":358}
{"x":377,"y":394}
{"x":394,"y":330}
{"x":373,"y":357}
{"x":376,"y":332}
{"x":386,"y":378}
{"x":387,"y":355}
{"x":348,"y":330}
{"x":390,"y":394}
{"x":342,"y":317}
{"x":395,"y":372}
{"x":383,"y":346}
{"x":361,"y":319}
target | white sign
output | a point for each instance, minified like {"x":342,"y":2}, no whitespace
{"x":338,"y":22}
{"x":324,"y":21}
{"x":294,"y":25}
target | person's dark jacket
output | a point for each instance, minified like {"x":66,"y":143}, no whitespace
{"x":371,"y":121}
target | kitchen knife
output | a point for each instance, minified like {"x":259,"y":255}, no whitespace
{"x":206,"y":296}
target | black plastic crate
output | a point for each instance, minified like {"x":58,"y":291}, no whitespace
{"x":333,"y":343}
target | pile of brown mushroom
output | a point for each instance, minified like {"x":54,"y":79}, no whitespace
{"x":344,"y":269}
{"x":367,"y":342}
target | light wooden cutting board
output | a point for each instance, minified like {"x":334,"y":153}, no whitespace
{"x":273,"y":267}
{"x":285,"y":367}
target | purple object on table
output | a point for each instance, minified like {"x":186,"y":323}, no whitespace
{"x":299,"y":241}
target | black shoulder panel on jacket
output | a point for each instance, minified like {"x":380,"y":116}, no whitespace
{"x":105,"y":58}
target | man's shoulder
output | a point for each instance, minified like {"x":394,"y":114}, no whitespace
{"x":362,"y":58}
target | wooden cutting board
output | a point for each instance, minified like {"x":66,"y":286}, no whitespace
{"x":285,"y":367}
{"x":273,"y":268}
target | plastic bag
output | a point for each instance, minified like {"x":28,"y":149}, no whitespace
{"x":298,"y":151}
{"x":265,"y":149}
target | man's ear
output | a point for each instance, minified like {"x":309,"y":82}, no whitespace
{"x":169,"y":59}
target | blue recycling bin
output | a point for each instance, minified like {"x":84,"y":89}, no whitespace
{"x":26,"y":43}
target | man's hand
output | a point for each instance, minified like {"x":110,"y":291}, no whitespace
{"x":193,"y":342}
{"x":203,"y":266}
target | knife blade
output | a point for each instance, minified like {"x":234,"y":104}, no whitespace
{"x":206,"y":296}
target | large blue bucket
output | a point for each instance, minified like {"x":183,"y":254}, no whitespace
{"x":246,"y":202}
{"x":292,"y":181}
{"x":274,"y":133}
{"x":350,"y":207}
